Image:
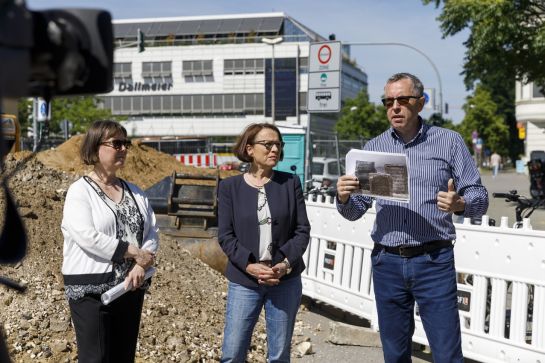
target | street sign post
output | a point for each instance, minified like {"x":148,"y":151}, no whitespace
{"x":324,"y":77}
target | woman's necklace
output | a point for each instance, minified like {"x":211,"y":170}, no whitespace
{"x":99,"y":180}
{"x":253,"y":180}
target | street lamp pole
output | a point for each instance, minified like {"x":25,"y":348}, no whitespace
{"x":272,"y":42}
{"x":421,"y":53}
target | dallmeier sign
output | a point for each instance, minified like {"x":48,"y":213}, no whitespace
{"x":145,"y":87}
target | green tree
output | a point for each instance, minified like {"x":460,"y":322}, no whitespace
{"x":437,"y":119}
{"x":506,"y":43}
{"x":81,"y":111}
{"x":481,"y":114}
{"x":24,"y":113}
{"x":506,"y":36}
{"x":361,"y":118}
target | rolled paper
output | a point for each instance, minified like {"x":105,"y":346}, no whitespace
{"x":119,"y":289}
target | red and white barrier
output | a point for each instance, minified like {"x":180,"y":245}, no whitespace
{"x":199,"y":160}
{"x":206,"y":160}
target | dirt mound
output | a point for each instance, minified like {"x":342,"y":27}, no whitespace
{"x":183,"y":312}
{"x":144,"y":166}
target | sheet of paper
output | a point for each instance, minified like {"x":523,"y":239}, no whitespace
{"x":119,"y":289}
{"x":381,"y":175}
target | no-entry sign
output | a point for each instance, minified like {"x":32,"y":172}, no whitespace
{"x":324,"y":56}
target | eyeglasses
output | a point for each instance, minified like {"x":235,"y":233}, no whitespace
{"x":118,"y":144}
{"x":269,"y":144}
{"x":401,"y":100}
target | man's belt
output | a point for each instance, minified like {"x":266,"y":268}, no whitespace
{"x":412,"y":251}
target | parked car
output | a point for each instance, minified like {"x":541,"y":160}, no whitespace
{"x":325,"y":172}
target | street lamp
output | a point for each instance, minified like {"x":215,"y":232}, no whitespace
{"x":272,"y":42}
{"x":421,"y":53}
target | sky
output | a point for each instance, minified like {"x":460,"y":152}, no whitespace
{"x":371,"y":21}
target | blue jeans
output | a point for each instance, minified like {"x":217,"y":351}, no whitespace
{"x":430,"y":280}
{"x":244,"y":304}
{"x":495,"y":170}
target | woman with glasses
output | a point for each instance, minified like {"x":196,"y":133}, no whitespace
{"x":264,"y":231}
{"x":110,"y":236}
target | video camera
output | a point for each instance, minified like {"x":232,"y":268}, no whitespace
{"x":54,"y":52}
{"x":48,"y":53}
{"x":43,"y":54}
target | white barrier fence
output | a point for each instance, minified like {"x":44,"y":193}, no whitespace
{"x":501,"y":285}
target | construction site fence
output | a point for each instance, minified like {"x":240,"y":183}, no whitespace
{"x":501,"y":281}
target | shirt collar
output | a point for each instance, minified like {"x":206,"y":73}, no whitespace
{"x":421,"y":131}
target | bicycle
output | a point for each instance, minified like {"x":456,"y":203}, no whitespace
{"x":525,"y":206}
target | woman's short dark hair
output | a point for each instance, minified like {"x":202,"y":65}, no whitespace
{"x":98,"y":133}
{"x":248,"y":138}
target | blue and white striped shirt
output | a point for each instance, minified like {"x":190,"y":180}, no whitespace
{"x":435,"y":155}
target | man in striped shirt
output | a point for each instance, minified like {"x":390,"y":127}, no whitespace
{"x":413,"y":257}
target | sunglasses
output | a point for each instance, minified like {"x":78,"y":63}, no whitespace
{"x":269,"y":144}
{"x":401,"y":100}
{"x":118,"y":144}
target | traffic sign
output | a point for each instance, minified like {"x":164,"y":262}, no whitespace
{"x":324,"y":56}
{"x":324,"y":100}
{"x":324,"y":80}
{"x":429,"y":98}
{"x":324,"y":77}
{"x":43,"y":112}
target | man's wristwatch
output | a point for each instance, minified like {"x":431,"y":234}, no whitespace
{"x":288,"y":266}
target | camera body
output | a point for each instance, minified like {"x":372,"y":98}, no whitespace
{"x":46,"y":53}
{"x":54,"y":52}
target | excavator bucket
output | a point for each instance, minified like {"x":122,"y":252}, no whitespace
{"x":186,"y":204}
{"x":193,"y":200}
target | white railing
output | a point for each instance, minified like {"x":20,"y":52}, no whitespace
{"x":501,"y":281}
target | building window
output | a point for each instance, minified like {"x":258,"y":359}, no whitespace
{"x":303,"y":65}
{"x":198,"y":71}
{"x":122,"y":73}
{"x":536,"y":92}
{"x":157,"y":72}
{"x":203,"y":104}
{"x":237,"y":67}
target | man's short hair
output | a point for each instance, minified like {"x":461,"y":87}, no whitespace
{"x":97,"y":134}
{"x":248,"y":138}
{"x":418,"y":87}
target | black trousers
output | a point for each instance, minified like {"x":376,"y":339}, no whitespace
{"x":107,"y":333}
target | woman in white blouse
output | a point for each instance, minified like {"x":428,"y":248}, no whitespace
{"x":110,"y":236}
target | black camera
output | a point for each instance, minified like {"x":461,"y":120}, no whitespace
{"x":48,"y":53}
{"x":54,"y":52}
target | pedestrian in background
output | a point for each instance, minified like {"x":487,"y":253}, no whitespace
{"x":495,"y":162}
{"x":110,"y":236}
{"x":413,"y":258}
{"x":264,"y":231}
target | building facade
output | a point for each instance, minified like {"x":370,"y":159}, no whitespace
{"x":210,"y":76}
{"x":530,"y":112}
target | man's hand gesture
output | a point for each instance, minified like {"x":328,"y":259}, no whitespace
{"x":450,"y":201}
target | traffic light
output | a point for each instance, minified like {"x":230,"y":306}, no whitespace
{"x":446,"y":108}
{"x":140,"y":41}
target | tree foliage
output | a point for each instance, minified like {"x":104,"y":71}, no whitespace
{"x":506,"y":43}
{"x":81,"y":111}
{"x":506,"y":36}
{"x":481,"y":115}
{"x":361,"y":118}
{"x":436,"y":119}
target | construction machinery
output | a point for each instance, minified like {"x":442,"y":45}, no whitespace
{"x":11,"y":132}
{"x":185,"y":206}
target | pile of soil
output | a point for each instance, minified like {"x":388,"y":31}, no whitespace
{"x":183,"y":317}
{"x":144,"y":166}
